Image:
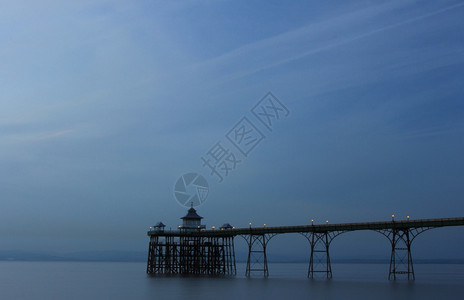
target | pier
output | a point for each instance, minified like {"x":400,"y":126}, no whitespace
{"x":193,"y":250}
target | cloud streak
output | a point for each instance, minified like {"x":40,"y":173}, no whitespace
{"x":312,"y":39}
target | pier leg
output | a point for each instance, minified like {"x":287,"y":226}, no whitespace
{"x":151,"y":255}
{"x":319,"y":261}
{"x":191,"y":255}
{"x":257,"y":258}
{"x":401,"y":258}
{"x":229,"y":255}
{"x":162,"y":256}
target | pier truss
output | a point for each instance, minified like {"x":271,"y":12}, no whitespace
{"x":190,"y":254}
{"x":401,"y":259}
{"x":319,"y":259}
{"x":211,"y":252}
{"x":257,"y":258}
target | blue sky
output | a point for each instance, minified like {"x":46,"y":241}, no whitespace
{"x":106,"y":103}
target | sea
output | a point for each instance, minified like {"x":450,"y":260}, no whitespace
{"x":128,"y":280}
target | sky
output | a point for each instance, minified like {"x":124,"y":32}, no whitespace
{"x":106,"y":104}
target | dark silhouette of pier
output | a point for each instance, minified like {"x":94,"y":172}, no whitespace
{"x":193,"y":250}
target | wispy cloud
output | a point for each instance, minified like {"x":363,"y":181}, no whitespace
{"x":20,"y":138}
{"x":53,"y":135}
{"x":432,"y":131}
{"x":312,"y":39}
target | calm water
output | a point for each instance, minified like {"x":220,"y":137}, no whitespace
{"x":107,"y":280}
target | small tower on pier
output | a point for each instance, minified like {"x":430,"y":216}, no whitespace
{"x":192,"y":221}
{"x":158,"y":227}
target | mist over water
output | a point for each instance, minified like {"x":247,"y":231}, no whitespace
{"x":109,"y":280}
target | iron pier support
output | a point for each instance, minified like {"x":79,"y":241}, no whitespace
{"x":257,"y":258}
{"x":319,"y":260}
{"x":401,"y":258}
{"x":401,"y":265}
{"x":191,"y":255}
